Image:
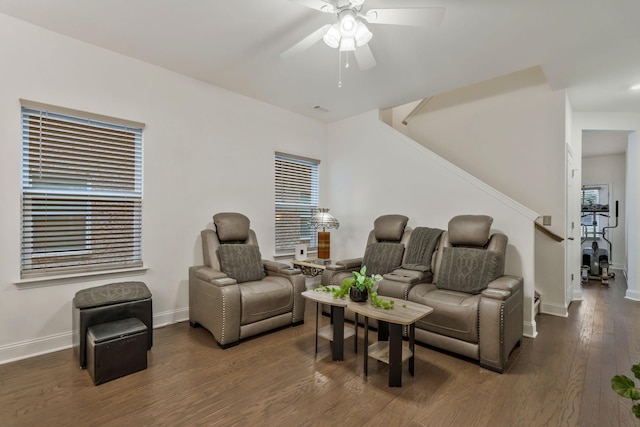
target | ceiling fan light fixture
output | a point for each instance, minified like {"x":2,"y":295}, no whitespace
{"x":363,"y":35}
{"x":348,"y":23}
{"x":347,"y":44}
{"x":332,"y":36}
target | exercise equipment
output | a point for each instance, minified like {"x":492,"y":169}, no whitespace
{"x":596,"y":260}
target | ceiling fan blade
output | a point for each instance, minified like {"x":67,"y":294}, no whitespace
{"x":306,"y":42}
{"x":412,"y":16}
{"x":321,"y":5}
{"x":364,"y":57}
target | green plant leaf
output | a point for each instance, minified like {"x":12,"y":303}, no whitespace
{"x":636,"y":371}
{"x":625,"y":387}
{"x":636,"y":410}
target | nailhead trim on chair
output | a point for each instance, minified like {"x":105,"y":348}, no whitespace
{"x":478,"y":339}
{"x":224,"y":316}
{"x":294,"y":304}
{"x":502,"y":334}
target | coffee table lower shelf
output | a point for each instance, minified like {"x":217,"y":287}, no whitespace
{"x":380,"y":351}
{"x":326,"y":332}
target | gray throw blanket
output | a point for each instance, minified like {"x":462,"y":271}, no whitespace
{"x":420,"y":249}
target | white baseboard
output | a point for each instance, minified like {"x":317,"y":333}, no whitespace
{"x":554,"y":309}
{"x":35,"y":347}
{"x":170,"y":317}
{"x":529,"y":329}
{"x":632,"y":295}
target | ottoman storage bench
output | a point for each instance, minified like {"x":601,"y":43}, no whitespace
{"x":108,"y":303}
{"x":116,"y":349}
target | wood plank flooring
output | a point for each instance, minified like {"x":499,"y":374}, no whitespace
{"x":562,"y":378}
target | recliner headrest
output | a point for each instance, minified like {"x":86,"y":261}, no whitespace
{"x":470,"y":230}
{"x":231,"y":226}
{"x":389,"y":227}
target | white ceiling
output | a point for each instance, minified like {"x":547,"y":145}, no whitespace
{"x":604,"y":143}
{"x":588,"y":47}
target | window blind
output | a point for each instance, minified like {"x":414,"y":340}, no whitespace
{"x":296,"y":196}
{"x":591,"y":223}
{"x":81,"y":194}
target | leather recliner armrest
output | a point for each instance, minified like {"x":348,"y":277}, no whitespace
{"x":214,"y":276}
{"x":280,"y":268}
{"x":503,"y":287}
{"x":345,"y":264}
{"x":408,"y":276}
{"x":399,"y":282}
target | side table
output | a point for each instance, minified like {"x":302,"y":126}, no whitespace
{"x":310,"y":267}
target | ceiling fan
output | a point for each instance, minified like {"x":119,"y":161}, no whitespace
{"x":350,"y":33}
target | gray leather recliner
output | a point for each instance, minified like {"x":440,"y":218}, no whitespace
{"x":478,"y":311}
{"x":387,"y":229}
{"x":236,"y":294}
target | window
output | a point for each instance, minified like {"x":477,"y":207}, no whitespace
{"x":296,"y":197}
{"x":594,"y":214}
{"x":81,"y":193}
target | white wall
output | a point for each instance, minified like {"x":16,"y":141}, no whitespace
{"x":621,"y":122}
{"x":206,"y":150}
{"x":510,"y":133}
{"x":610,"y":170}
{"x":387,"y":172}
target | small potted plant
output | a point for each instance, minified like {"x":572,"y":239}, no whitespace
{"x":359,"y":288}
{"x":360,"y":284}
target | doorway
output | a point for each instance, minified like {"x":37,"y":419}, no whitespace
{"x":603,"y":194}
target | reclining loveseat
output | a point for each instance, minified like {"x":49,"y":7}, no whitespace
{"x":478,"y":311}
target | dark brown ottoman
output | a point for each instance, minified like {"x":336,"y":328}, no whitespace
{"x":107,"y":303}
{"x":116,"y":349}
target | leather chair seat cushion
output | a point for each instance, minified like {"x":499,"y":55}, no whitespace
{"x":241,"y":262}
{"x":455,"y":314}
{"x":468,"y":270}
{"x":264,"y":299}
{"x":382,"y":258}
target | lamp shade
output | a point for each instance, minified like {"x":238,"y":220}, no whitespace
{"x":332,"y":37}
{"x":322,"y":219}
{"x":363,"y":35}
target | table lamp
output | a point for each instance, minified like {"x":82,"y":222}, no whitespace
{"x":322,"y":219}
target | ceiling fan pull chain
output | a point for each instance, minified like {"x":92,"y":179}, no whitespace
{"x":346,"y":55}
{"x":339,"y":69}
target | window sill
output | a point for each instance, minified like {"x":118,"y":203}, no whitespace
{"x":291,"y":255}
{"x":38,"y":282}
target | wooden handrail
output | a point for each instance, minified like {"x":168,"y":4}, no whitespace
{"x":548,"y":232}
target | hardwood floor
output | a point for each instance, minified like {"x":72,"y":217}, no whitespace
{"x":562,"y":378}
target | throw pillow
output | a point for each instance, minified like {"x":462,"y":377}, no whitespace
{"x":382,"y":258}
{"x":468,"y":270}
{"x":241,"y":262}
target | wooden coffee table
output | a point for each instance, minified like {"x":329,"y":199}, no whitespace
{"x":389,"y":347}
{"x":336,"y":332}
